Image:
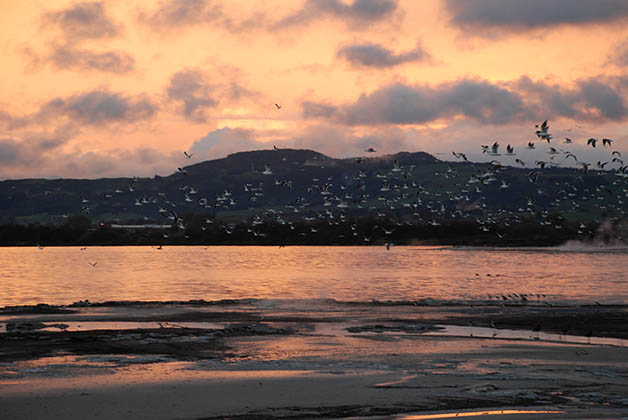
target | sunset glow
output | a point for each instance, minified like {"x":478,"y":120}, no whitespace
{"x":112,"y":88}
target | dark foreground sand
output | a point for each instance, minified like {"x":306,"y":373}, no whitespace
{"x":240,"y":360}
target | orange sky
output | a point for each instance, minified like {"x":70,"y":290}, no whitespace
{"x":112,"y":88}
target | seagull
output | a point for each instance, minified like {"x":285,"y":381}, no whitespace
{"x":370,"y":150}
{"x":542,"y":132}
{"x":591,"y":142}
{"x":188,"y":155}
{"x":277,"y":106}
{"x":616,"y":153}
{"x":494,"y":149}
{"x":267,"y":170}
{"x":607,"y":142}
{"x":460,"y":155}
{"x":93,"y":264}
{"x":530,"y":145}
{"x":520,"y":162}
{"x":183,"y":171}
{"x":568,"y":140}
{"x":510,"y":150}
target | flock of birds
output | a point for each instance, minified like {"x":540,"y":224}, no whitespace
{"x":461,"y":192}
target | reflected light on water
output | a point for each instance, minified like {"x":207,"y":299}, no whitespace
{"x":62,"y":275}
{"x":475,"y":414}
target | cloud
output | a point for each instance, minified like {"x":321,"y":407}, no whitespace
{"x":358,"y":13}
{"x":597,"y":99}
{"x":378,"y":56}
{"x":191,"y":88}
{"x":482,"y":15}
{"x":98,"y":107}
{"x":593,"y":99}
{"x":10,"y":152}
{"x":86,"y":20}
{"x":69,"y":58}
{"x":619,"y":54}
{"x":403,"y":104}
{"x":21,"y":158}
{"x":176,"y":13}
{"x":224,"y":141}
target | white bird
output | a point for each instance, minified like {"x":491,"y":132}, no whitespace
{"x":267,"y":170}
{"x":188,"y":155}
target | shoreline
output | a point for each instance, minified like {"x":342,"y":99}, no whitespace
{"x":338,"y":361}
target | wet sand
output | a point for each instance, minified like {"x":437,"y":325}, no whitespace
{"x":242,"y":360}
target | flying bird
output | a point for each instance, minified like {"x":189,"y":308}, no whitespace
{"x":188,"y":155}
{"x":370,"y":150}
{"x":591,"y":142}
{"x":277,"y":106}
{"x":607,"y":142}
{"x":183,"y":171}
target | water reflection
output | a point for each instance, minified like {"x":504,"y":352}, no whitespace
{"x":458,"y":414}
{"x":64,"y":275}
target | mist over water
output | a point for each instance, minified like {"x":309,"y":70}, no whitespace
{"x":573,"y":273}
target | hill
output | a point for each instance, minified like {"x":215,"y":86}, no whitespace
{"x":304,"y":186}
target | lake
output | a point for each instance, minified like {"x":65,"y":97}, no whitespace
{"x":62,"y":275}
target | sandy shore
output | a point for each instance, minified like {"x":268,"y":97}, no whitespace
{"x":241,"y":361}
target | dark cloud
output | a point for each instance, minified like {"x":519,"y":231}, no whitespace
{"x":357,"y":12}
{"x":619,"y":56}
{"x":10,"y":151}
{"x":69,"y":58}
{"x":403,"y":104}
{"x":86,"y":20}
{"x":480,"y":15}
{"x":378,"y":56}
{"x":191,"y":88}
{"x":175,"y":13}
{"x":99,"y":107}
{"x":596,"y":99}
{"x":603,"y":98}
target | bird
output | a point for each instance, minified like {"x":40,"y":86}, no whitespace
{"x":591,"y":142}
{"x":568,"y":140}
{"x":183,"y":171}
{"x":607,"y":142}
{"x":277,"y":106}
{"x":267,"y":170}
{"x":542,"y":131}
{"x":370,"y":150}
{"x":510,"y":150}
{"x":530,"y":145}
{"x":93,"y":264}
{"x":460,"y":155}
{"x":188,"y":155}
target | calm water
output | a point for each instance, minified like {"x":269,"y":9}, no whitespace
{"x":64,"y":275}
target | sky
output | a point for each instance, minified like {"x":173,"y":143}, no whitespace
{"x":122,"y":88}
